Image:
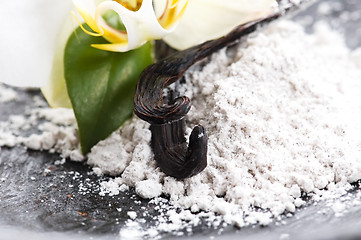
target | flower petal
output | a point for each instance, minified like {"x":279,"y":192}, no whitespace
{"x":141,"y":25}
{"x":113,"y":47}
{"x":209,"y":19}
{"x":174,"y":11}
{"x":28,"y":48}
{"x":55,"y":91}
{"x":87,"y":9}
{"x":112,"y":34}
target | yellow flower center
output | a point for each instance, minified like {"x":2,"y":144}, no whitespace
{"x":127,"y":24}
{"x":173,"y":11}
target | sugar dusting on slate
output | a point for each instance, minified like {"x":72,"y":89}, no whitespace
{"x":282,"y":113}
{"x":282,"y":117}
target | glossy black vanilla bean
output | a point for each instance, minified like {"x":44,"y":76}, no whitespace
{"x":167,"y":117}
{"x":169,"y":145}
{"x":171,"y":151}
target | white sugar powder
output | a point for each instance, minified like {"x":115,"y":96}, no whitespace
{"x":282,"y":113}
{"x":57,"y":129}
{"x":7,"y":94}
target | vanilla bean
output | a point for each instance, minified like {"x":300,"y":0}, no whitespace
{"x":167,"y":121}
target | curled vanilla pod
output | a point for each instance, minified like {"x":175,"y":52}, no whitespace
{"x":167,"y":116}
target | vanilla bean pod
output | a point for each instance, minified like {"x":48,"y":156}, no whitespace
{"x":167,"y":117}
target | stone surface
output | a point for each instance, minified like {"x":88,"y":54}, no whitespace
{"x":40,"y":198}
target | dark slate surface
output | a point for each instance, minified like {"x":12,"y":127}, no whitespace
{"x":42,"y":200}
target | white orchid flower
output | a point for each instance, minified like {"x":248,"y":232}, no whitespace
{"x":210,"y":19}
{"x":29,"y":48}
{"x":28,"y":40}
{"x":140,"y":21}
{"x":203,"y":20}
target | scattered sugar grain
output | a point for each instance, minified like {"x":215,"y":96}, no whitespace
{"x":132,"y":215}
{"x":148,"y":188}
{"x":8,"y":139}
{"x":7,"y":94}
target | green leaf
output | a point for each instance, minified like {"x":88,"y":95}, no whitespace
{"x":101,"y":85}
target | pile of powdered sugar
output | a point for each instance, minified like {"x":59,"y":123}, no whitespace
{"x":41,"y":128}
{"x":282,"y":114}
{"x":281,"y":111}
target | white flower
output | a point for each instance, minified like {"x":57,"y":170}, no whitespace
{"x":203,"y":20}
{"x":30,"y":30}
{"x":210,"y":19}
{"x":140,"y":21}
